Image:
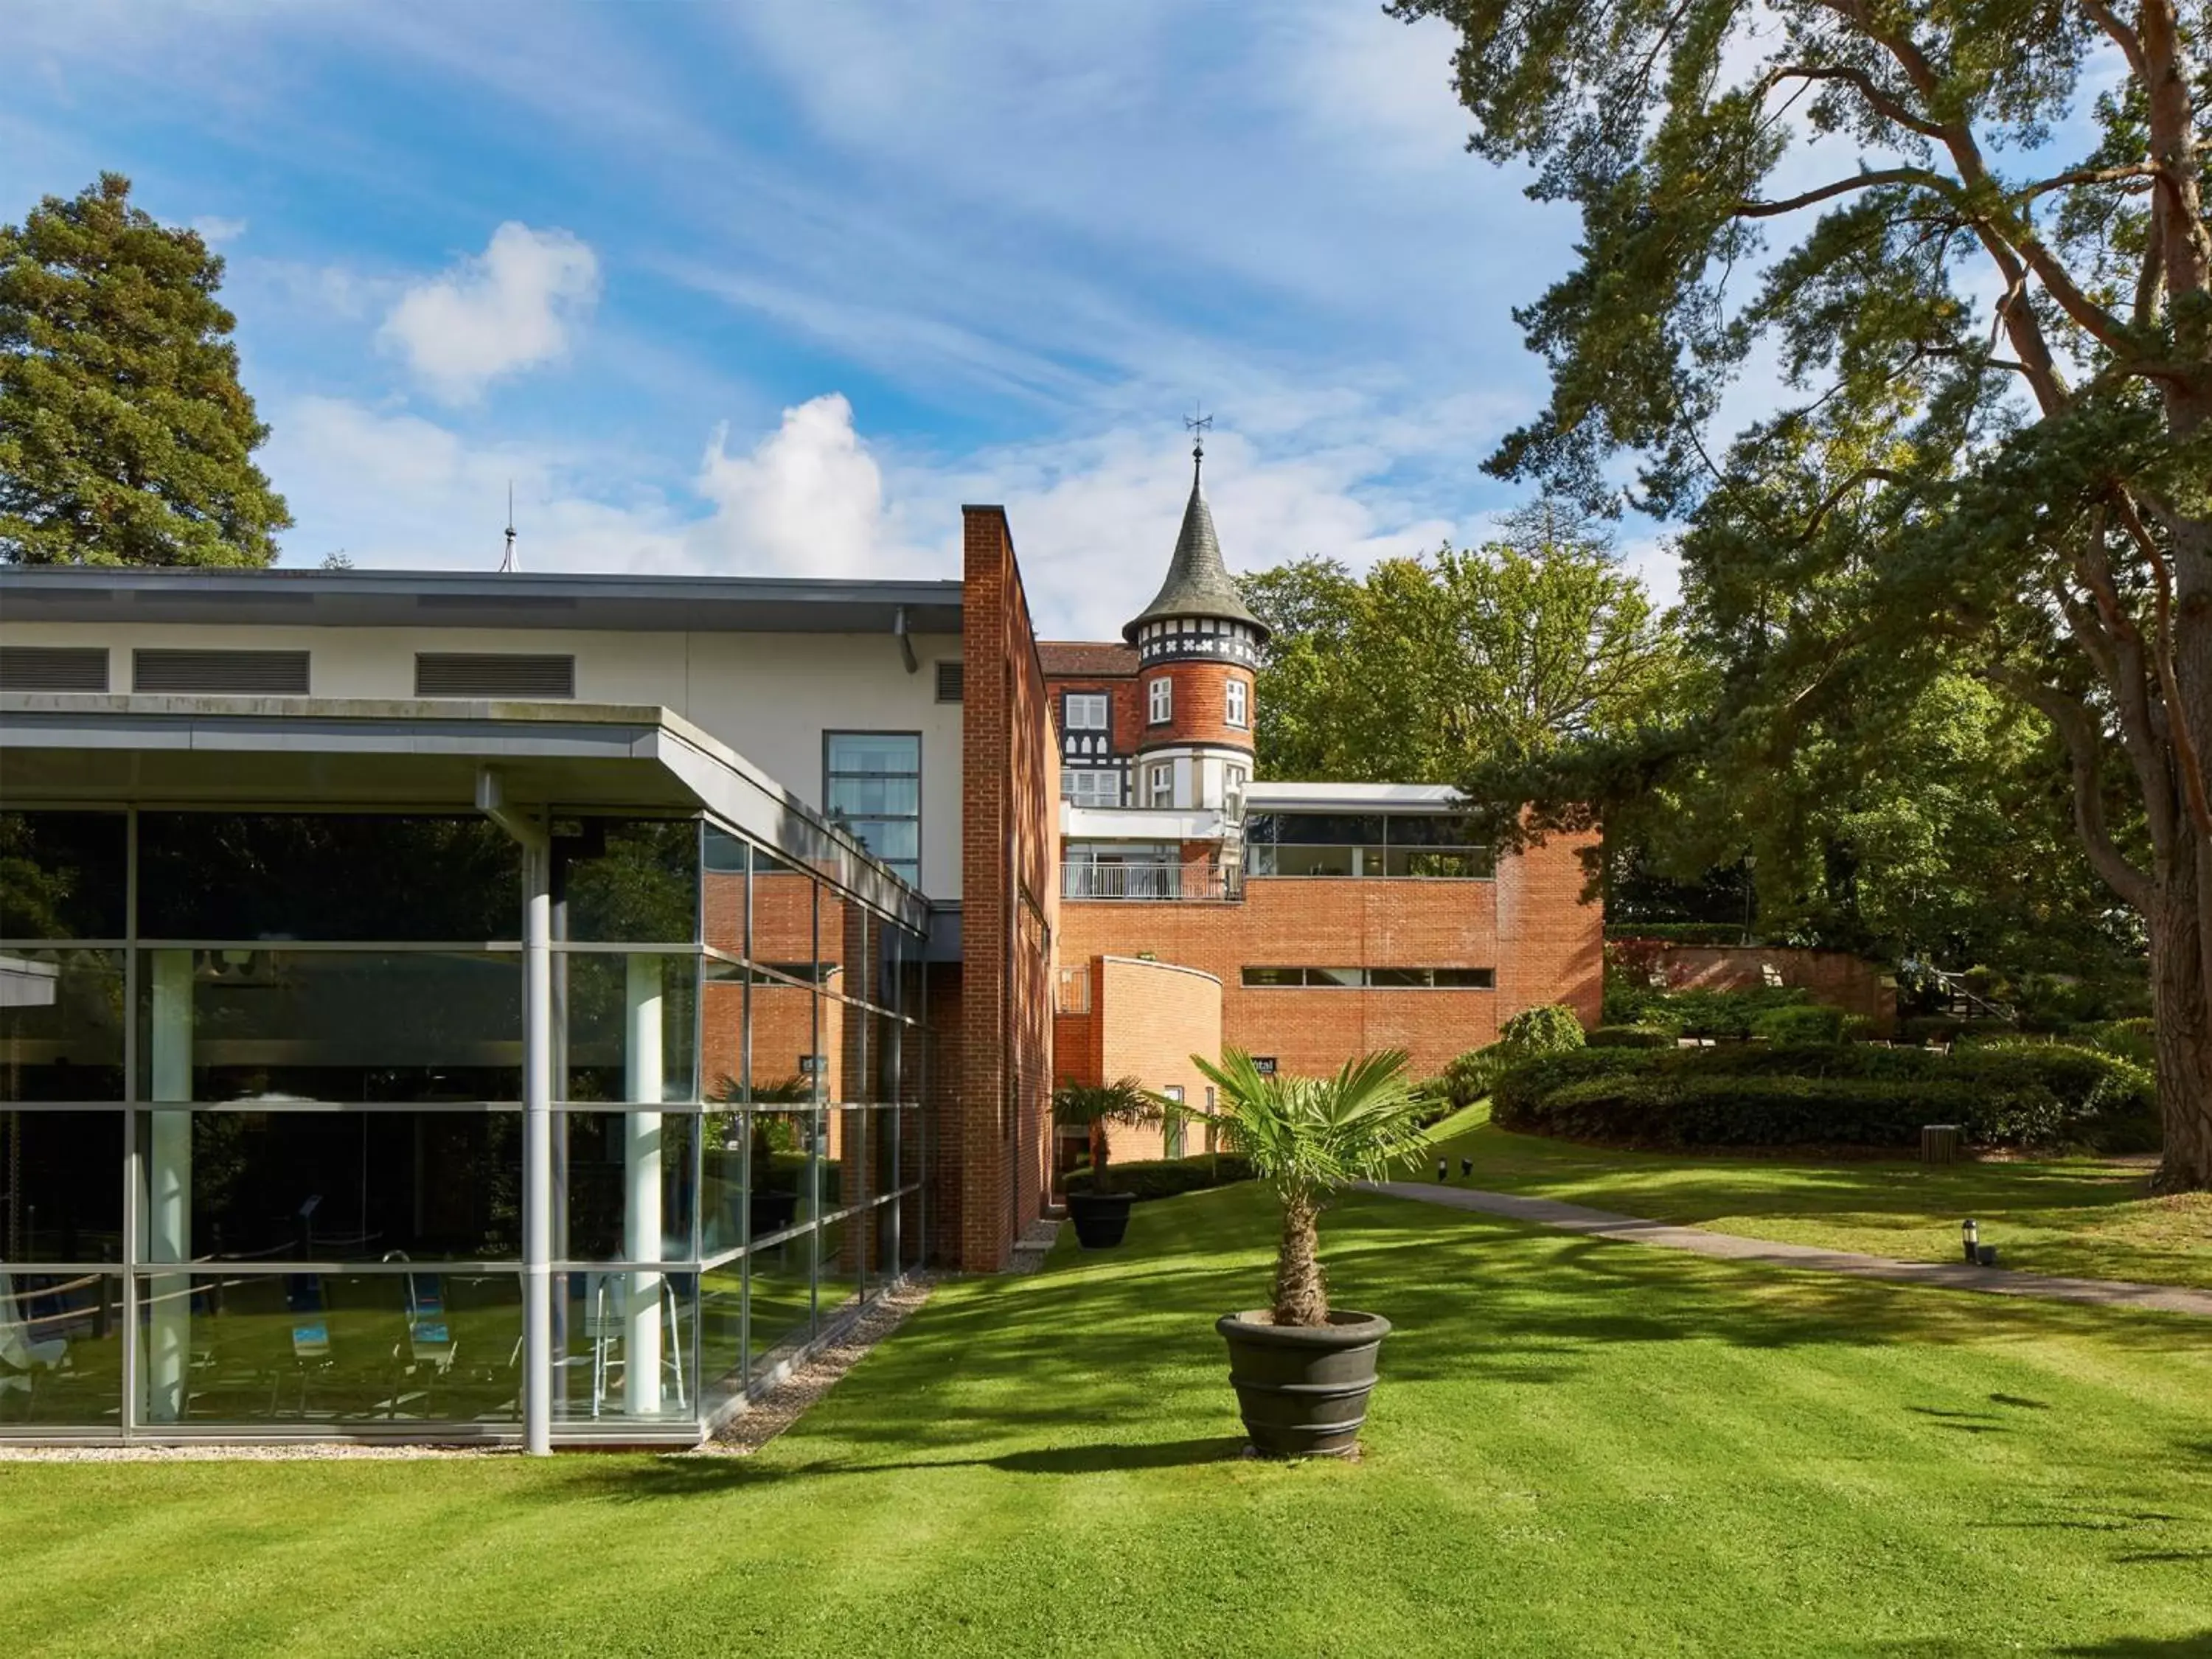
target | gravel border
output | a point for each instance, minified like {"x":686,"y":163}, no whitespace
{"x":820,"y":1371}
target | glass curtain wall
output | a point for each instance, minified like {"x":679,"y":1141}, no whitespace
{"x":261,"y":1127}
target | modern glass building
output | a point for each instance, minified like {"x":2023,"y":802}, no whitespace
{"x":264,"y":1085}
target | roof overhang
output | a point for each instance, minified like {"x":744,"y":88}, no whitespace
{"x":443,"y":598}
{"x":60,"y":749}
{"x":1277,"y":797}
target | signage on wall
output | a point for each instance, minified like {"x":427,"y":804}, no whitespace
{"x":1264,"y":1065}
{"x":810,"y":1066}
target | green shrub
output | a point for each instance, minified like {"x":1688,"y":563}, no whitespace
{"x":1632,"y":1036}
{"x":1552,"y":1030}
{"x":1166,"y":1177}
{"x":1681,"y":933}
{"x":1699,"y":1013}
{"x":1931,"y":1027}
{"x":1799,"y":1023}
{"x":2019,"y":1094}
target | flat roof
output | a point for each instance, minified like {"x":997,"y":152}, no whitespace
{"x":1277,"y":797}
{"x":458,"y":599}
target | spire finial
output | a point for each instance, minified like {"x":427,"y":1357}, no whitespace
{"x":1198,"y":426}
{"x":508,"y":563}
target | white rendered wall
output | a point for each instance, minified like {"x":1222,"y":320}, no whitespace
{"x":770,"y":697}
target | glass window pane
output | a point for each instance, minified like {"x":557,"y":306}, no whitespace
{"x":893,"y":841}
{"x":61,"y":1024}
{"x":1399,"y":978}
{"x":780,"y":1300}
{"x":1467,"y":979}
{"x":784,"y":1055}
{"x":629,"y":1186}
{"x":1315,"y":829}
{"x":339,"y":1026}
{"x":61,"y":1188}
{"x":783,"y":1148}
{"x":867,"y":796}
{"x":625,"y":882}
{"x":875,"y":752}
{"x":1274,"y":977}
{"x":327,"y":875}
{"x":721,"y":1326}
{"x":783,"y":917}
{"x":61,"y":1350}
{"x":630,"y":1028}
{"x":62,"y":875}
{"x":843,"y":1250}
{"x":1465,"y":863}
{"x":334,"y":1185}
{"x":1295,"y":860}
{"x":332,"y":1348}
{"x":629,"y":1346}
{"x":1336,"y":977}
{"x":727,"y":895}
{"x":722,"y":1030}
{"x":722,"y":1190}
{"x":1432,"y":830}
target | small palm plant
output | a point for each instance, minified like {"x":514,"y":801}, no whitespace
{"x":1308,"y":1137}
{"x":1094,"y":1106}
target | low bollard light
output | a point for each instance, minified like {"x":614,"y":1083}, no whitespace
{"x":1443,"y":1169}
{"x":1969,"y":1235}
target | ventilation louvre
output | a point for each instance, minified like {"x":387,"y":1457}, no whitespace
{"x":53,"y":668}
{"x":951,"y":680}
{"x":493,"y":674}
{"x":263,"y":673}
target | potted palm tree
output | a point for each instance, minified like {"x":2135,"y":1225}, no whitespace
{"x":1100,"y":1215}
{"x":1302,"y":1370}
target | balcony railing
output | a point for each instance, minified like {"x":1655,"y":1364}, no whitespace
{"x":1150,"y":883}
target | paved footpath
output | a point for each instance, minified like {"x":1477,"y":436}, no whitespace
{"x":1951,"y":1275}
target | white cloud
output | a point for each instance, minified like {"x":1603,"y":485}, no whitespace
{"x":807,"y":501}
{"x":515,"y":306}
{"x":215,"y":229}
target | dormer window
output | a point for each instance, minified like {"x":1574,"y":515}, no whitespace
{"x":1160,"y":700}
{"x":1239,"y":710}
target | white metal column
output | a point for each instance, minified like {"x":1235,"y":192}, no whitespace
{"x":643,"y":1066}
{"x":537,"y":1145}
{"x":169,"y":1179}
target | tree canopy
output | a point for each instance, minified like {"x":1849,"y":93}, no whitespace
{"x":1426,"y":666}
{"x":126,"y":437}
{"x":1981,"y":335}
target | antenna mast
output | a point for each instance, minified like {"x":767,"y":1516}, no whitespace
{"x":507,"y":564}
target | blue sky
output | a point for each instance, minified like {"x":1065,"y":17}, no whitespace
{"x":772,"y":288}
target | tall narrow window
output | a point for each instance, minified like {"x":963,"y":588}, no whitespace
{"x":1172,"y":1131}
{"x":1161,"y":792}
{"x":1161,"y":693}
{"x":872,"y":788}
{"x":1238,"y":693}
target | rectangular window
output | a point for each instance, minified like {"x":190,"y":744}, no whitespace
{"x":493,"y":674}
{"x":1373,"y":979}
{"x":1236,"y":714}
{"x":271,"y":673}
{"x":1091,"y":786}
{"x":1086,"y":711}
{"x":1171,"y":1134}
{"x":872,"y":788}
{"x":1160,"y":700}
{"x":1161,"y":792}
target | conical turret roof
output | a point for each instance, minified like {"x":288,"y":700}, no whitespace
{"x":1198,"y":583}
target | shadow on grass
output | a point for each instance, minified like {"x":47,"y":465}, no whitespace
{"x":2144,"y":1647}
{"x":1108,"y":1362}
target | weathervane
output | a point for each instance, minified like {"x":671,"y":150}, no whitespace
{"x":1198,"y":426}
{"x":507,"y":564}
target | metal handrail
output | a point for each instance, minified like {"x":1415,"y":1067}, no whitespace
{"x":1151,"y":883}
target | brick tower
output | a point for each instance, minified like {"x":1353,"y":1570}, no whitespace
{"x":1197,"y":646}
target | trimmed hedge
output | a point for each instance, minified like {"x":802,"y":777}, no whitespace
{"x":1632,"y":1036}
{"x":1699,"y":1014}
{"x":1799,"y":1023}
{"x":2019,"y":1094}
{"x":1166,"y":1177}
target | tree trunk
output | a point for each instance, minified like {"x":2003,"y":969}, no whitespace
{"x":1097,"y":1157}
{"x":2182,"y":1018}
{"x":1301,"y":1287}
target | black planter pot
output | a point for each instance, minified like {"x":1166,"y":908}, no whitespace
{"x":1302,"y":1390}
{"x":1100,"y":1218}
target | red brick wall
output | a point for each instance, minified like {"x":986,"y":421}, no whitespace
{"x":1529,"y":926}
{"x":1009,"y":905}
{"x":1836,"y":977}
{"x":1198,"y":712}
{"x":1151,"y":1017}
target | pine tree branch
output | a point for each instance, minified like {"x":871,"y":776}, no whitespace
{"x":1923,"y":177}
{"x":2084,"y":759}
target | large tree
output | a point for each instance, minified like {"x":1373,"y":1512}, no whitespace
{"x":1990,"y":308}
{"x":1426,"y":666}
{"x":124,"y":435}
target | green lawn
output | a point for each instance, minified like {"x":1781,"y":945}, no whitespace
{"x":1579,"y":1447}
{"x":2067,"y":1215}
